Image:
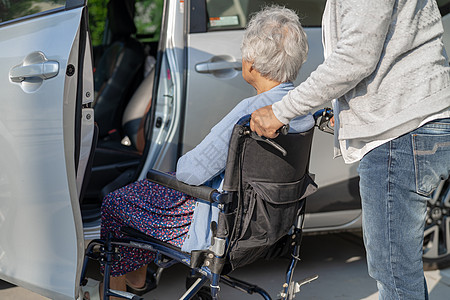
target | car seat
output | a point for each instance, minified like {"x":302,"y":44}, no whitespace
{"x":119,"y":70}
{"x":134,"y":115}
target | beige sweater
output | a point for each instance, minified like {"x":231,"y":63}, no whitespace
{"x":387,"y":66}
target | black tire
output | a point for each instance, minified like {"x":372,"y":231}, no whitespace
{"x":436,"y":244}
{"x":203,"y":294}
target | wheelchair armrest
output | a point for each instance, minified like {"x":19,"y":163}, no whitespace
{"x":202,"y":192}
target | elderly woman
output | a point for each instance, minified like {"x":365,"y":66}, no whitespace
{"x":273,"y":50}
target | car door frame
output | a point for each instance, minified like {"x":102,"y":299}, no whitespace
{"x":76,"y":114}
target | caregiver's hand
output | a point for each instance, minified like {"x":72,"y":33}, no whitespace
{"x":264,"y":122}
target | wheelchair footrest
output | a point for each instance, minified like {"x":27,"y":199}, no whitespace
{"x":298,"y":284}
{"x":306,"y":280}
{"x":294,"y":287}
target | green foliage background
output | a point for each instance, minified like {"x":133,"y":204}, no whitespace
{"x":12,"y":9}
{"x":147,"y":20}
{"x":149,"y":17}
{"x":97,"y":20}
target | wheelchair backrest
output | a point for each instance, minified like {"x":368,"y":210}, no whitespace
{"x":267,"y":193}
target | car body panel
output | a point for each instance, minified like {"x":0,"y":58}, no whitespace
{"x":333,"y":221}
{"x":229,"y":88}
{"x":41,"y":244}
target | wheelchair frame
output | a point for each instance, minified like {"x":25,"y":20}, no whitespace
{"x":168,"y":255}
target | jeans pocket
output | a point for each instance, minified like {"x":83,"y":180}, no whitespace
{"x":431,"y":148}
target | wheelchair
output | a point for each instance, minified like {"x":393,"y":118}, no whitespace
{"x":262,"y":208}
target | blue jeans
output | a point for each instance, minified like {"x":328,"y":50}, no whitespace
{"x":396,"y":180}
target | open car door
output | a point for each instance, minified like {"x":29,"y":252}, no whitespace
{"x":46,"y":130}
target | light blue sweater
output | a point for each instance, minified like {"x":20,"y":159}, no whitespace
{"x":208,"y":159}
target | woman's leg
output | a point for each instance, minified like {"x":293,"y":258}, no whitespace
{"x":157,"y":211}
{"x":116,"y":213}
{"x":117,"y":283}
{"x":136,"y":279}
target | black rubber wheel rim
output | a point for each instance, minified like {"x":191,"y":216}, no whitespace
{"x":436,"y":245}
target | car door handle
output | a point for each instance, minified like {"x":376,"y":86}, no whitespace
{"x":210,"y":67}
{"x":43,"y":70}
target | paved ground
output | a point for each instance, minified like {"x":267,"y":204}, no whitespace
{"x":338,"y":259}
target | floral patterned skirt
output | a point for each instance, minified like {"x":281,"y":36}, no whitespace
{"x":155,"y":210}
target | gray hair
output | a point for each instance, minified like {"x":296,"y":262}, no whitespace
{"x":275,"y":43}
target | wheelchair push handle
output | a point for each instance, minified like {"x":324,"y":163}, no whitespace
{"x":245,"y":121}
{"x":327,"y":112}
{"x":322,"y":119}
{"x":284,"y":130}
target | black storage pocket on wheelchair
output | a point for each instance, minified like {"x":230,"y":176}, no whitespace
{"x":268,"y":212}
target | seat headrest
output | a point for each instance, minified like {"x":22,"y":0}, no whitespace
{"x":121,"y":18}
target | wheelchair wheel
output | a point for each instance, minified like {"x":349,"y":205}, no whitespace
{"x":437,"y":237}
{"x":203,"y":294}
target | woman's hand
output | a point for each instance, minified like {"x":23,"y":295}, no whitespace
{"x":264,"y":122}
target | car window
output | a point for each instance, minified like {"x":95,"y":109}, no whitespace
{"x":235,"y":14}
{"x":14,"y":9}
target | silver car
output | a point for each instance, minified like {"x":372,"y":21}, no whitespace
{"x":157,"y":75}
